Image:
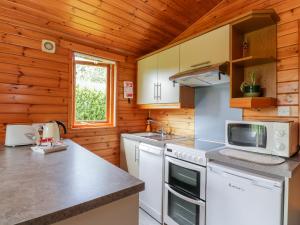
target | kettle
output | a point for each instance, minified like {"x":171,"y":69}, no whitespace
{"x":51,"y":130}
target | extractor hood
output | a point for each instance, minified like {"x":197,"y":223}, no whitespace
{"x":203,"y":76}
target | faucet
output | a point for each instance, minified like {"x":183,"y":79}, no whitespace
{"x":161,"y":131}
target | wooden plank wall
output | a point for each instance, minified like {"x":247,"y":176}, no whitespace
{"x":34,"y":88}
{"x":287,"y":50}
{"x":181,"y":121}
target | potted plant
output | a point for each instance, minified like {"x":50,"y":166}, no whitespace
{"x":251,"y":89}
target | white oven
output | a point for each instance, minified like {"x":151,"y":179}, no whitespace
{"x":274,"y":138}
{"x":184,"y":195}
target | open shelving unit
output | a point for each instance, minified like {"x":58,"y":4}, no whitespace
{"x":258,"y":28}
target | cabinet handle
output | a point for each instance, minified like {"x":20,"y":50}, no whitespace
{"x":154,"y":96}
{"x":136,"y":148}
{"x":159,"y":91}
{"x":201,"y":64}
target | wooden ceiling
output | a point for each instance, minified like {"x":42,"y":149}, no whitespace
{"x":129,"y":27}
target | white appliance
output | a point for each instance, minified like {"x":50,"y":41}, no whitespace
{"x":273,"y":138}
{"x":51,"y":130}
{"x":185,"y":181}
{"x":151,"y":172}
{"x":17,"y":135}
{"x":237,"y":197}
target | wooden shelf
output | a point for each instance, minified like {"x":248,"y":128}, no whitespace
{"x":252,"y":61}
{"x":256,"y":20}
{"x":253,"y":102}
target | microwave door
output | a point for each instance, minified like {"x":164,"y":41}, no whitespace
{"x":247,"y":135}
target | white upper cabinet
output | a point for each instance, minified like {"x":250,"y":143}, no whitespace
{"x":168,"y":65}
{"x":153,"y":84}
{"x":147,"y":80}
{"x":207,"y":49}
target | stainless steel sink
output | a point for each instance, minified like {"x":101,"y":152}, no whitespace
{"x":147,"y":134}
{"x":159,"y":137}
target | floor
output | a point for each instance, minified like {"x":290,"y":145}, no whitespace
{"x":145,"y":219}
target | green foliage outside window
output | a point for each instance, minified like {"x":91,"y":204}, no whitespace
{"x":90,"y":92}
{"x":90,"y":105}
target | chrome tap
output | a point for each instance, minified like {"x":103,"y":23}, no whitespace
{"x":161,"y":131}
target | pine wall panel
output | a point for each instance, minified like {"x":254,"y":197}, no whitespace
{"x":34,"y":87}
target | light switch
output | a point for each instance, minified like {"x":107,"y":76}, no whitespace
{"x":283,"y":111}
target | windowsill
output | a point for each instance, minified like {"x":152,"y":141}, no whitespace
{"x":92,"y":126}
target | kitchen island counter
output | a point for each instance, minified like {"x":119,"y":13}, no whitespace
{"x":44,"y":189}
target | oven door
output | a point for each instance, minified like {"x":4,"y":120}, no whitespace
{"x":182,"y":209}
{"x":186,"y":177}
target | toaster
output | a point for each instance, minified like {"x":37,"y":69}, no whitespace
{"x":17,"y":135}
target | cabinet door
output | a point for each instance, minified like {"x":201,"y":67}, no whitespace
{"x":147,"y":80}
{"x":131,"y":149}
{"x":205,"y":50}
{"x":168,"y":65}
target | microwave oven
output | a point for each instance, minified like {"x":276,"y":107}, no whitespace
{"x":266,"y":137}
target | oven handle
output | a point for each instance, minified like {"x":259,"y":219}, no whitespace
{"x":196,"y":202}
{"x":185,"y":164}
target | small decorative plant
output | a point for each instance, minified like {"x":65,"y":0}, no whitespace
{"x":250,"y":88}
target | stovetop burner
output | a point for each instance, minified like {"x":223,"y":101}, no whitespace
{"x":198,"y":144}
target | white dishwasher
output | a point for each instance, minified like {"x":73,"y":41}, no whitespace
{"x":236,"y":197}
{"x":151,"y":172}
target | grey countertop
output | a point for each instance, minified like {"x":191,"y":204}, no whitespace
{"x":43,"y":189}
{"x":285,"y":169}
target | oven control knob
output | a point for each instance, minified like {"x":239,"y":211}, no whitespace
{"x":280,"y":133}
{"x":280,"y":146}
{"x":179,"y":155}
{"x":184,"y":155}
{"x":175,"y":153}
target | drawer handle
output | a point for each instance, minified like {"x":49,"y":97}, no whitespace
{"x":201,"y":64}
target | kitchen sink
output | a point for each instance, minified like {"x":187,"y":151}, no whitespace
{"x":157,"y":136}
{"x":147,"y":134}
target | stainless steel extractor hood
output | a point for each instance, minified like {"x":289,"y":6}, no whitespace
{"x":203,"y":76}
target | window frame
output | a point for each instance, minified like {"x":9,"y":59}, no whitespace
{"x":110,"y":94}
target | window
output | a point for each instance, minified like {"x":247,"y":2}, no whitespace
{"x":93,"y":91}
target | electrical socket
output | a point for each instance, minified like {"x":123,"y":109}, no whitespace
{"x":283,"y":111}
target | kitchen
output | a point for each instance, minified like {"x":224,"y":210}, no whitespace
{"x":177,"y":67}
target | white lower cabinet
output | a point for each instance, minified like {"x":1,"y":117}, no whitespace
{"x":130,"y":156}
